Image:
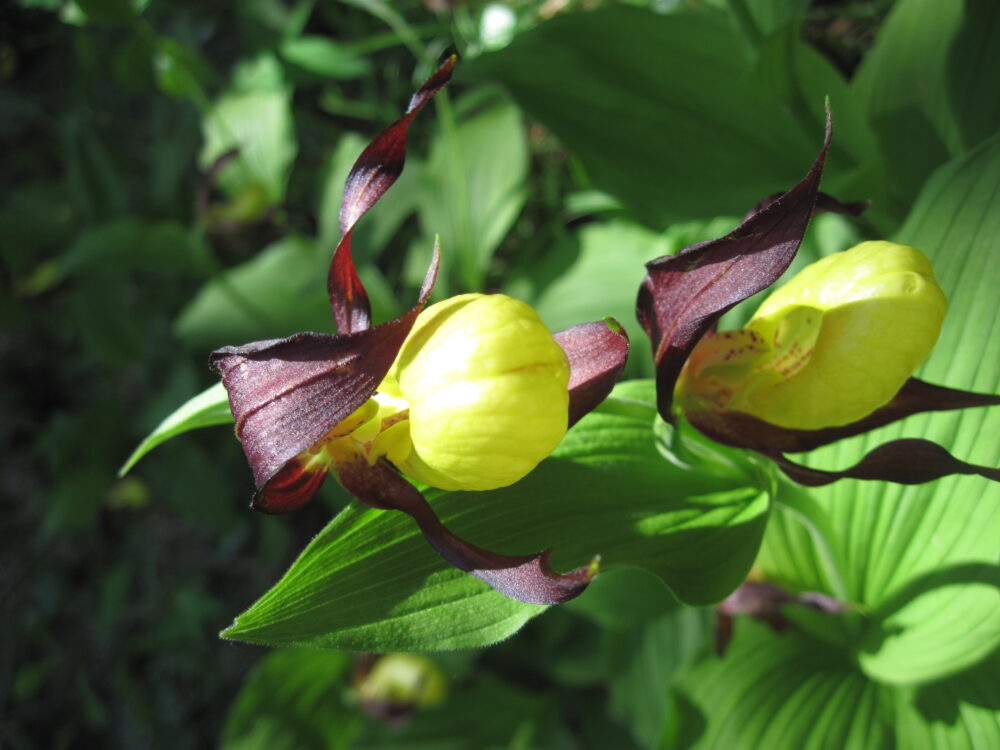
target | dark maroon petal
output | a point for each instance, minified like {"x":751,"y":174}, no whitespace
{"x":764,"y":602}
{"x":378,"y":167}
{"x":745,"y":431}
{"x":907,"y":461}
{"x":684,"y":294}
{"x":597,"y":353}
{"x":291,"y":488}
{"x":287,"y":394}
{"x":526,"y":578}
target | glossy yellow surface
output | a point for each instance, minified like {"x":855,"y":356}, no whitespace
{"x":830,"y":346}
{"x":486,"y":385}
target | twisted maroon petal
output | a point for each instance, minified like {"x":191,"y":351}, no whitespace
{"x":526,"y":578}
{"x":597,"y":353}
{"x":683,"y":295}
{"x":378,"y":167}
{"x":287,"y":394}
{"x":742,"y":430}
{"x":907,"y":461}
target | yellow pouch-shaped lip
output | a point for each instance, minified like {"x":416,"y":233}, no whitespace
{"x":876,"y":314}
{"x":486,"y":385}
{"x":831,"y":346}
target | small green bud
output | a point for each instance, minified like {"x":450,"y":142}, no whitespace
{"x":486,"y":385}
{"x":829,"y":347}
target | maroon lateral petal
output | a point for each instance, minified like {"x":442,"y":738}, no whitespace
{"x":683,"y":295}
{"x":597,"y":353}
{"x":378,"y":167}
{"x":907,"y":461}
{"x":526,"y":578}
{"x":764,"y":602}
{"x":742,"y":430}
{"x":291,"y":488}
{"x":287,"y":394}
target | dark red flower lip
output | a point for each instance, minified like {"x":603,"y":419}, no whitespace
{"x":286,"y":395}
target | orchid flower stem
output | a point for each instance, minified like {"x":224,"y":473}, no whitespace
{"x":809,"y":513}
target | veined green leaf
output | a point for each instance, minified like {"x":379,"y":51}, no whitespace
{"x":256,"y":118}
{"x":776,"y":691}
{"x":370,"y":582}
{"x":473,"y":187}
{"x":673,"y":128}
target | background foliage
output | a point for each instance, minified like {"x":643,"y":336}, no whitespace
{"x":579,"y":140}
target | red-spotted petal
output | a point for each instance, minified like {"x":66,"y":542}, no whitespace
{"x":683,"y":295}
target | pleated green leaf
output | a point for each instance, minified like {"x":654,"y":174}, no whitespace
{"x":370,"y":582}
{"x":780,"y":691}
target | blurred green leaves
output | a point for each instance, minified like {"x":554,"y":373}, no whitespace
{"x":255,"y":118}
{"x":672,"y":127}
{"x":125,"y":260}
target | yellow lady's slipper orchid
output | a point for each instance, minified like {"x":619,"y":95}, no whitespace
{"x":486,"y":387}
{"x":831,"y":346}
{"x":470,"y":394}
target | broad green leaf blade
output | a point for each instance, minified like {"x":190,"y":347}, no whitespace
{"x":593,"y":275}
{"x":473,"y":186}
{"x":923,"y":84}
{"x":923,"y":559}
{"x":673,"y":128}
{"x":960,"y":713}
{"x":208,"y":408}
{"x":256,"y":118}
{"x":781,"y":691}
{"x":640,"y":686}
{"x":294,"y":700}
{"x":279,"y":292}
{"x":370,"y":582}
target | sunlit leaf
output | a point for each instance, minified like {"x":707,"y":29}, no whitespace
{"x":473,"y":187}
{"x":277,"y":293}
{"x":369,"y":582}
{"x":256,"y":118}
{"x":776,"y":691}
{"x":673,"y":128}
